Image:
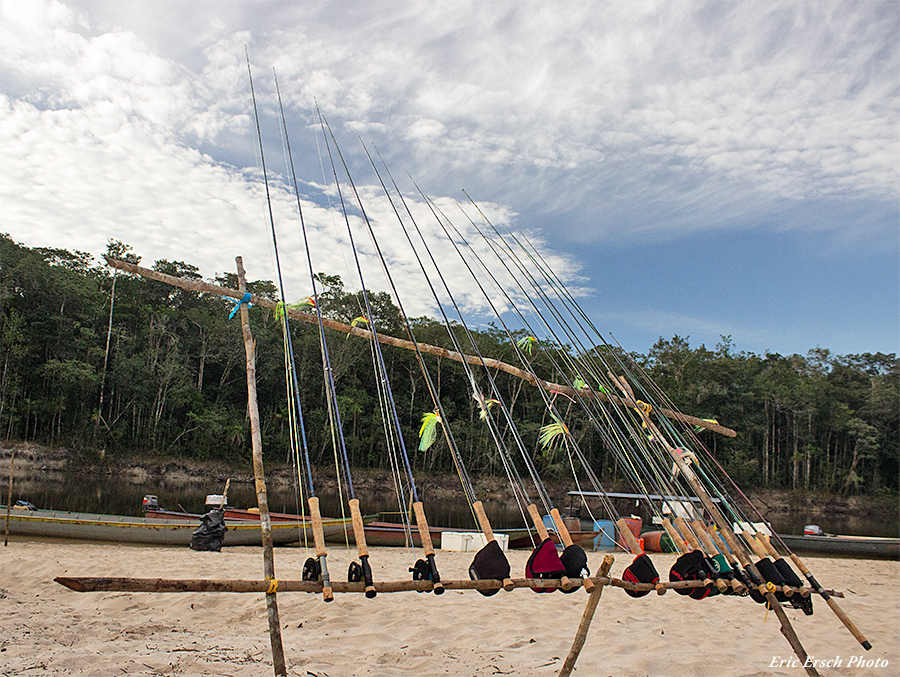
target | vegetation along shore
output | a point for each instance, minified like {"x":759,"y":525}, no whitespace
{"x":114,"y":368}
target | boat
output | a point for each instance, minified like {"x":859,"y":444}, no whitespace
{"x":524,"y":539}
{"x":231,"y":515}
{"x":150,"y":506}
{"x":392,"y":534}
{"x":867,"y":547}
{"x":152,"y":531}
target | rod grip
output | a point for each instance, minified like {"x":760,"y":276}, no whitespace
{"x":424,"y":531}
{"x":628,"y":536}
{"x":543,"y":534}
{"x":680,"y":545}
{"x":318,"y":532}
{"x":561,"y":527}
{"x":359,"y":529}
{"x":754,"y":544}
{"x":685,"y":530}
{"x":483,"y":522}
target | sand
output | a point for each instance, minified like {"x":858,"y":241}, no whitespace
{"x":46,"y":629}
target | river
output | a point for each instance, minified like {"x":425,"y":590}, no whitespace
{"x":113,"y":494}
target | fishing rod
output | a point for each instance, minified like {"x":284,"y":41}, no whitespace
{"x":632,"y":542}
{"x":573,"y":558}
{"x":295,"y":418}
{"x":618,"y":447}
{"x":314,"y":569}
{"x":361,"y":571}
{"x":739,"y":549}
{"x":490,"y":561}
{"x":418,"y":507}
{"x":722,"y":586}
{"x":685,"y":528}
{"x":784,"y":568}
{"x":778,"y":571}
{"x":286,"y":332}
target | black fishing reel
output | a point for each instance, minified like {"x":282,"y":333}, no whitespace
{"x":355,"y":573}
{"x":421,"y":571}
{"x":312,"y":571}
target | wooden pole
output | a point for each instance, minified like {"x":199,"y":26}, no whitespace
{"x":108,"y":584}
{"x":205,"y":287}
{"x":12,"y":458}
{"x":260,"y":478}
{"x":586,"y":618}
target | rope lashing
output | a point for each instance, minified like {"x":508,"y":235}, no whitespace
{"x":644,"y":406}
{"x":238,"y":304}
{"x":273,"y":586}
{"x":770,"y":586}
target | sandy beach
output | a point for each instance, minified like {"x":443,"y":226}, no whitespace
{"x":46,"y":629}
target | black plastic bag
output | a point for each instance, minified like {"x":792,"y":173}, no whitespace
{"x":211,"y":532}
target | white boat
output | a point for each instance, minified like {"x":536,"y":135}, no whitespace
{"x":127,"y":529}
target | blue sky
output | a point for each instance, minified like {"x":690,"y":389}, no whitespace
{"x":692,"y":168}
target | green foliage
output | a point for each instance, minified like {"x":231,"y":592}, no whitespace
{"x":174,"y":383}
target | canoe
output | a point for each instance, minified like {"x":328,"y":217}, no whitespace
{"x":868,"y":547}
{"x":152,"y":531}
{"x":392,"y":534}
{"x":231,"y":514}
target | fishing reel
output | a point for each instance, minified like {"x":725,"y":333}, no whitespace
{"x":421,"y":571}
{"x":361,"y":572}
{"x":312,"y":571}
{"x":427,"y":571}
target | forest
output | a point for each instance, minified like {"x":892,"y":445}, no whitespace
{"x":115,"y":365}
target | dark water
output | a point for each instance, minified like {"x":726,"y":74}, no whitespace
{"x":108,"y":494}
{"x":103,"y":493}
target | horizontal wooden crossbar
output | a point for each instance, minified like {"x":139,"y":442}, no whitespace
{"x":88,"y":584}
{"x":206,"y":287}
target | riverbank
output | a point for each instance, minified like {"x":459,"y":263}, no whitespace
{"x":34,"y":461}
{"x":50,"y":630}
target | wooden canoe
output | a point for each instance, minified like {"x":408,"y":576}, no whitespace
{"x":231,"y":514}
{"x":154,"y":531}
{"x":868,"y":547}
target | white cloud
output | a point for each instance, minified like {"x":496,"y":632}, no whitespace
{"x":624,"y":121}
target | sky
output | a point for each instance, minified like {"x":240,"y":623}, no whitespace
{"x":703,"y":169}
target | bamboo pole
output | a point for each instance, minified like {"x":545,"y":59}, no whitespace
{"x":205,"y":287}
{"x":117,"y":584}
{"x":586,"y":618}
{"x":12,"y":458}
{"x":260,"y":479}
